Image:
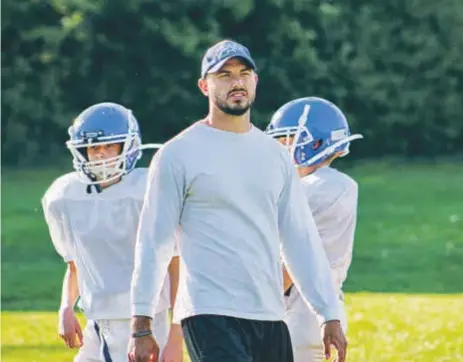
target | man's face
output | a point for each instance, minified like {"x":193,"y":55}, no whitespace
{"x":232,"y":88}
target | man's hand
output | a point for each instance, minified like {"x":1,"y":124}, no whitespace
{"x":69,"y":328}
{"x":173,"y":351}
{"x":143,"y":349}
{"x":332,"y":334}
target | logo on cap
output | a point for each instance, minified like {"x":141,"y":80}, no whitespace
{"x":228,"y":49}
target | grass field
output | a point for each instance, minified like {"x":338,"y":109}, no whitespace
{"x":404,"y":292}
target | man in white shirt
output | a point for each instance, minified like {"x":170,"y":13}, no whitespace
{"x":237,"y":198}
{"x":316,"y":132}
{"x":92,"y":215}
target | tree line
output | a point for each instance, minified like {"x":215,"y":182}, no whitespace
{"x":395,"y":67}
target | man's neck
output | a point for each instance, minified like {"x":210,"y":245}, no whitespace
{"x":225,"y":122}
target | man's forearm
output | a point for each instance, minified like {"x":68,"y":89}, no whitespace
{"x":141,"y":323}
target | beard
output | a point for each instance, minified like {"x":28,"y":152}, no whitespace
{"x":237,"y":109}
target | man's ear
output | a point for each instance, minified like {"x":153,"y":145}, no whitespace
{"x":202,"y":84}
{"x":256,"y":77}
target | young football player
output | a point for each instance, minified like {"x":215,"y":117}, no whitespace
{"x":316,"y":133}
{"x":92,"y":215}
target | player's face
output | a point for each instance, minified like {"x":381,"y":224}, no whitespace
{"x":103,"y":152}
{"x":104,"y":161}
{"x":232,"y":89}
{"x":286,"y":141}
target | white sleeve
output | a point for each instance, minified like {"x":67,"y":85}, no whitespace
{"x":60,"y":232}
{"x":341,"y":223}
{"x":303,"y":251}
{"x":159,"y":220}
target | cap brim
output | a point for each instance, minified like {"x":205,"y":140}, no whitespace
{"x":220,"y":64}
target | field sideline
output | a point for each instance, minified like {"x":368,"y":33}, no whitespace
{"x":404,"y":292}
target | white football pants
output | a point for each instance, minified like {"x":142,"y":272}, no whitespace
{"x":107,"y":340}
{"x":305,"y":331}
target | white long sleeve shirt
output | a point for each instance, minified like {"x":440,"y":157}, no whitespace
{"x":235,"y":197}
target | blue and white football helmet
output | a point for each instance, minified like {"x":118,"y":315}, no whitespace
{"x":103,"y":124}
{"x":319,"y":130}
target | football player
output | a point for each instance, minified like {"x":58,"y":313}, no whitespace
{"x":316,"y":132}
{"x":92,"y":215}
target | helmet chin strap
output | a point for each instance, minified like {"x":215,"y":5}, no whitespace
{"x":92,"y":178}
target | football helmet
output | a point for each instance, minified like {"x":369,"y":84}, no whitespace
{"x":103,"y":124}
{"x":318,"y":129}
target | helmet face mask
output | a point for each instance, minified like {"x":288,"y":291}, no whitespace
{"x":101,"y":125}
{"x":317,"y":128}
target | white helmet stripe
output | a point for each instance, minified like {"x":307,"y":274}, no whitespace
{"x":301,"y":125}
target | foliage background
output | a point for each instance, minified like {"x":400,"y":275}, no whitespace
{"x":395,"y":67}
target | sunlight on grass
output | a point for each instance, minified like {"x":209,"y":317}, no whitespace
{"x":382,"y":328}
{"x":405,"y":328}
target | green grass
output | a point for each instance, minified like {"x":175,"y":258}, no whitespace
{"x":404,"y":292}
{"x":31,"y":336}
{"x":382,"y":328}
{"x":410,"y":229}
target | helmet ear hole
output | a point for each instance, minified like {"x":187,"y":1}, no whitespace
{"x":317,"y":144}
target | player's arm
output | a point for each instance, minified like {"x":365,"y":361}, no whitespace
{"x":69,"y":328}
{"x":70,"y":290}
{"x":302,"y":250}
{"x":287,"y":281}
{"x":174,"y":272}
{"x":155,"y":244}
{"x":173,"y":351}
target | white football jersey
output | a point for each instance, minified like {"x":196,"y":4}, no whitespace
{"x":98,"y":232}
{"x":332,"y":197}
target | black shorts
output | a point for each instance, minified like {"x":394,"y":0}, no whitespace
{"x":215,"y":338}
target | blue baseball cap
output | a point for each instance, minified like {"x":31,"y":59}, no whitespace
{"x":217,"y":55}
